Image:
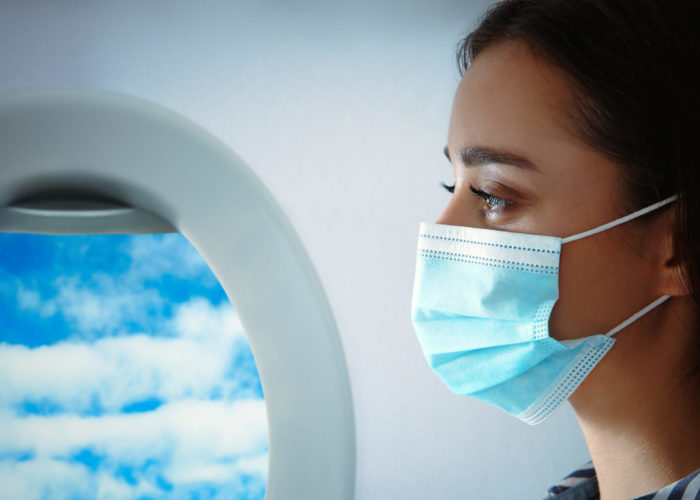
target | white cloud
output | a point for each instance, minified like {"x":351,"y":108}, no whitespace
{"x":123,"y":370}
{"x":155,"y":255}
{"x":107,"y":487}
{"x":191,"y":440}
{"x":103,"y":307}
{"x":194,"y":441}
{"x":100,"y":305}
{"x":43,"y":478}
{"x":182,"y":432}
{"x":254,"y":465}
{"x":188,"y":472}
{"x":27,"y":299}
{"x":199,"y":319}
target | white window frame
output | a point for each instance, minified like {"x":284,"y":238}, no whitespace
{"x":89,"y":161}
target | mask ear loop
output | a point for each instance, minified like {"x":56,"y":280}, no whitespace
{"x":617,"y":222}
{"x":621,"y":220}
{"x":637,"y":315}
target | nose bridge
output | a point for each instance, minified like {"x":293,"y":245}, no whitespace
{"x":455,"y":213}
{"x":448,"y":213}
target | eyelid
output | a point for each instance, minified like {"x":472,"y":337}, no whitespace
{"x":505,"y":191}
{"x":490,"y":198}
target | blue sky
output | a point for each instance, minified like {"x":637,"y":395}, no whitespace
{"x":124,"y":374}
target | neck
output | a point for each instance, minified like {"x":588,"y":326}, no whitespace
{"x":639,"y":421}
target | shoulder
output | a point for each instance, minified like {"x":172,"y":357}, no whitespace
{"x":580,"y":484}
{"x":687,"y":488}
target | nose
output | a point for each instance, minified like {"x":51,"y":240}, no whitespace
{"x":454,"y":213}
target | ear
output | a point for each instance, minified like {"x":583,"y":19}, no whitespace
{"x":671,"y":267}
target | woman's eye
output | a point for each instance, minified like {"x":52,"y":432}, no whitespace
{"x":494,"y":202}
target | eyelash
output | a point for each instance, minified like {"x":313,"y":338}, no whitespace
{"x":450,"y":189}
{"x":493,"y":201}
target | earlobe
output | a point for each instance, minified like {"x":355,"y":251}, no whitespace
{"x":674,"y":281}
{"x":676,"y":284}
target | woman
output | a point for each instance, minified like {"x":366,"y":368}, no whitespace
{"x":571,"y":115}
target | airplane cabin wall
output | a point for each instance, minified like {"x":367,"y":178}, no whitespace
{"x":342,"y":110}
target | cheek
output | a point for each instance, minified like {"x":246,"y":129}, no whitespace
{"x":601,"y":283}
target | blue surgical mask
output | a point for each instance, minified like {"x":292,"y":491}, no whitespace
{"x":481,"y":305}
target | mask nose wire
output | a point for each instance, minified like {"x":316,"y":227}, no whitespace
{"x":621,"y":220}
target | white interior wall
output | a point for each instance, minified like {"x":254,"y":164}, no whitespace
{"x":342,"y":110}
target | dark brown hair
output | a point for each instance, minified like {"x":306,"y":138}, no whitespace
{"x":632,"y":67}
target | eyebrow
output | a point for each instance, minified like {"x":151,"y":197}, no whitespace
{"x":477,"y":156}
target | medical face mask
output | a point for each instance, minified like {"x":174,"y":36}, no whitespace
{"x":481,"y":305}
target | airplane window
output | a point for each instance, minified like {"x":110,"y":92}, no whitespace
{"x":124,"y":373}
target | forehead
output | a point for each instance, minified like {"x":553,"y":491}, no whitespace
{"x":510,"y":98}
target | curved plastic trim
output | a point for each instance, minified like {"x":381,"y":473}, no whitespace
{"x":75,"y":215}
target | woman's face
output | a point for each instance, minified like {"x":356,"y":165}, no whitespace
{"x":518,"y":166}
